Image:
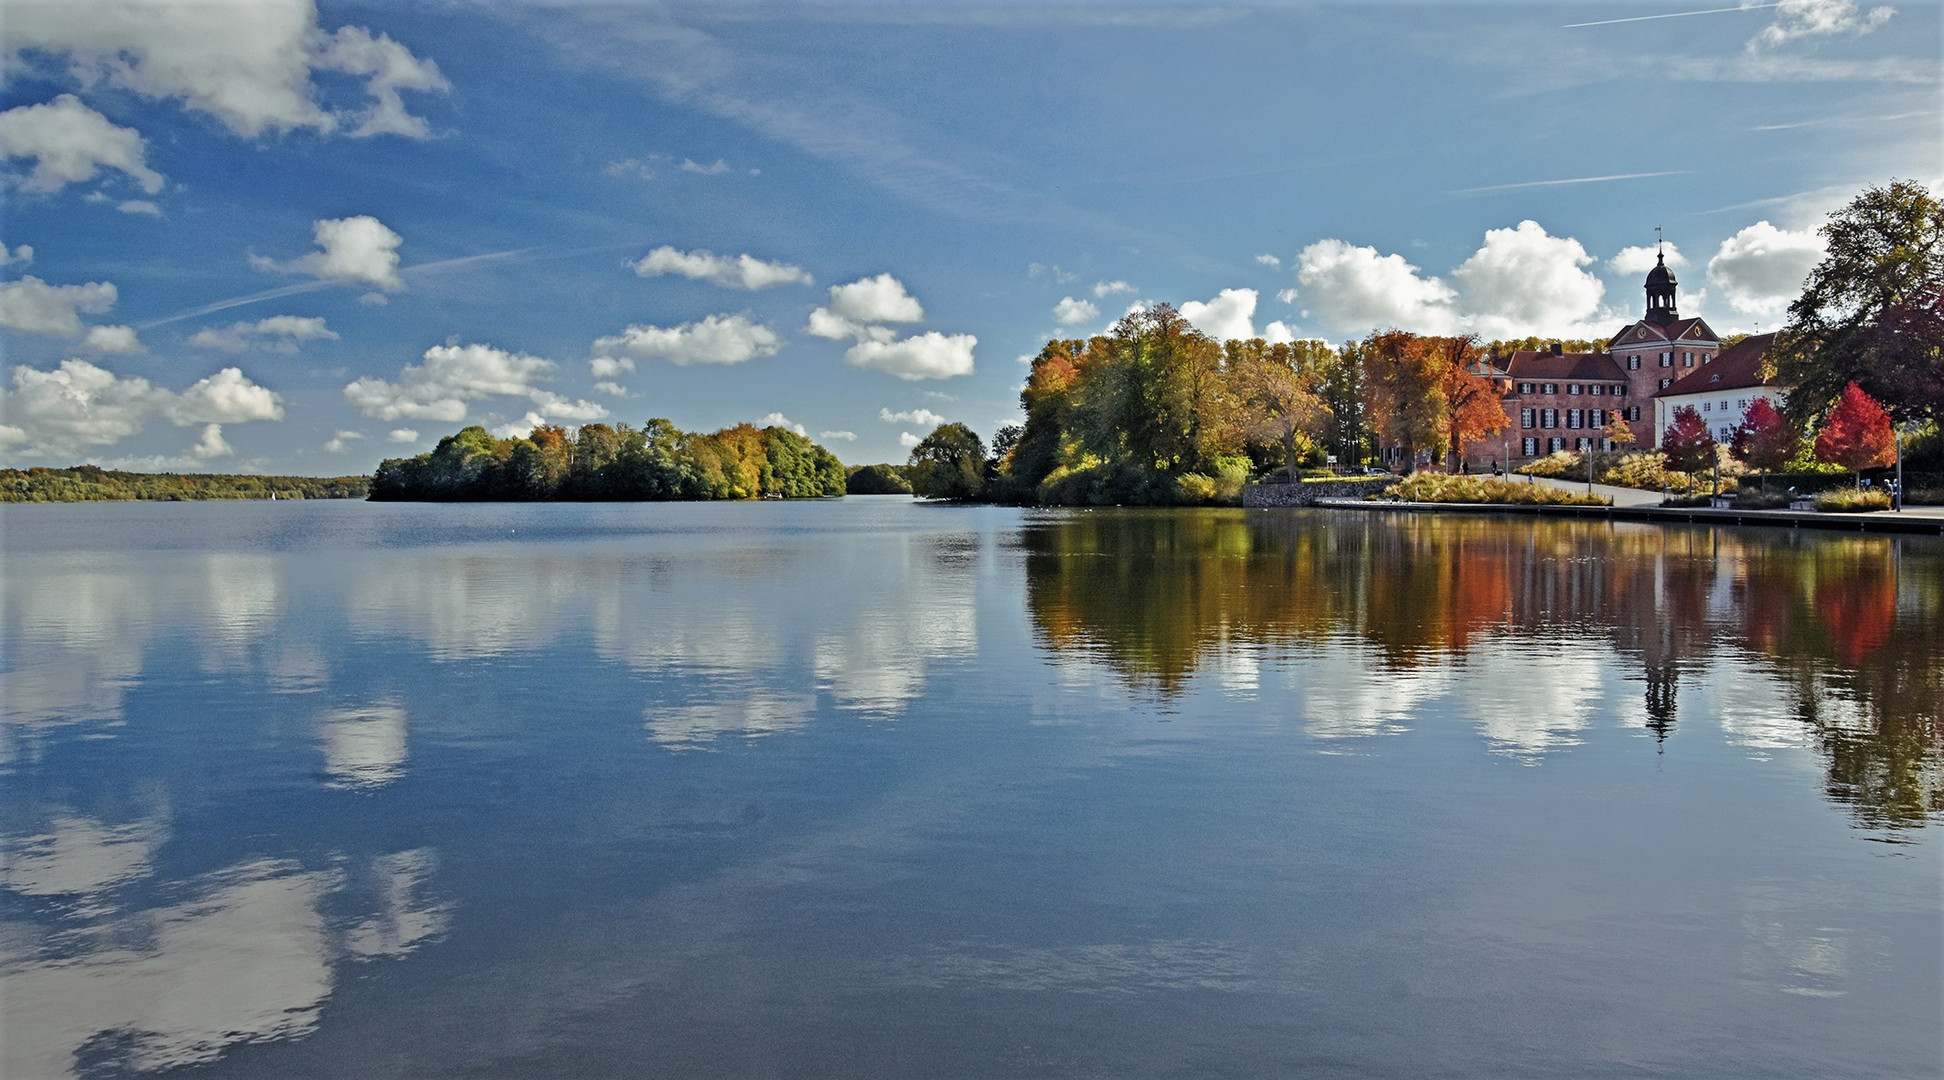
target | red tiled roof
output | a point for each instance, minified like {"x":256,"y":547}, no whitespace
{"x":1739,"y":367}
{"x":1532,"y":366}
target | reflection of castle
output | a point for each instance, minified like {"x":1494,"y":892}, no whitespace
{"x":1558,"y":400}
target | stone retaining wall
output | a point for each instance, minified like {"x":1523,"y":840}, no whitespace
{"x":1306,"y":494}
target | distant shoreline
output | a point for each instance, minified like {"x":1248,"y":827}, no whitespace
{"x":90,"y":483}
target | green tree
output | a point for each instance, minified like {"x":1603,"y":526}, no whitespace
{"x":948,"y":464}
{"x":1340,"y":385}
{"x":1275,"y":397}
{"x":1868,"y":313}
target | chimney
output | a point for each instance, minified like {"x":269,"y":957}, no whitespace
{"x":1559,"y":348}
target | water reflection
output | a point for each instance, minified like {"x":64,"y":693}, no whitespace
{"x":1526,"y":626}
{"x":363,"y":746}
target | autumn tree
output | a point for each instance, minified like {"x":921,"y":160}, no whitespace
{"x":1856,"y":434}
{"x":948,"y":464}
{"x":1403,"y":390}
{"x":1346,"y":425}
{"x":1764,"y":440}
{"x":1687,"y":443}
{"x":1471,"y":403}
{"x":1869,"y":312}
{"x":1273,"y":390}
{"x":1617,"y":432}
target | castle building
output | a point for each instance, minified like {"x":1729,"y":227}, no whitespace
{"x":1558,"y":400}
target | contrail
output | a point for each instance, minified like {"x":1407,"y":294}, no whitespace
{"x":312,"y":286}
{"x":1669,"y":15}
{"x":1571,"y":180}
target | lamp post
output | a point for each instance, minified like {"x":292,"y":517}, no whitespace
{"x":1896,"y":498}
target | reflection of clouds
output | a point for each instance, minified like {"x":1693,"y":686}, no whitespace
{"x":243,"y":961}
{"x":78,"y":855}
{"x":1754,"y":709}
{"x":405,"y":919}
{"x":1083,"y":969}
{"x":363,"y":746}
{"x":1344,"y":696}
{"x":1788,"y":946}
{"x":1528,"y":698}
{"x":878,"y":663}
{"x":688,"y":727}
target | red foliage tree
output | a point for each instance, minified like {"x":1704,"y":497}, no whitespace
{"x":1856,"y":433}
{"x":1688,"y":444}
{"x":1764,"y":439}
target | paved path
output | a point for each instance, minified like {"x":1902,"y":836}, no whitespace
{"x":1618,"y":496}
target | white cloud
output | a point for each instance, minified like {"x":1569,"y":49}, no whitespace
{"x":717,"y":339}
{"x":930,"y":355}
{"x":879,"y":299}
{"x":716,"y":168}
{"x":521,"y":428}
{"x":1631,"y":261}
{"x":827,"y":436}
{"x":1069,"y":311}
{"x":607,"y":367}
{"x":639,"y":168}
{"x":78,"y":405}
{"x":342,"y":440}
{"x":22,"y":254}
{"x":1760,"y":270}
{"x":921,"y":417}
{"x":1268,"y":260}
{"x":729,"y":271}
{"x":211,"y":444}
{"x":1230,"y":315}
{"x":247,"y":64}
{"x":111,"y":340}
{"x":374,"y":299}
{"x":777,"y":419}
{"x":32,"y":306}
{"x":278,"y":333}
{"x":69,"y":142}
{"x":1520,"y":281}
{"x":825,"y":323}
{"x":907,"y":440}
{"x":353,"y":249}
{"x":1817,"y":18}
{"x":1278,"y":333}
{"x":612,"y":389}
{"x":1105,"y":289}
{"x":1287,"y":296}
{"x":140,"y":206}
{"x":402,"y":435}
{"x":1354,"y":289}
{"x":452,"y":376}
{"x":1524,"y":281}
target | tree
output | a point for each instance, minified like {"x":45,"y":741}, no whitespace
{"x":1764,"y":440}
{"x":1856,"y":434}
{"x":1346,"y":426}
{"x":948,"y":464}
{"x":1688,"y":445}
{"x":1617,"y":431}
{"x":1471,"y":403}
{"x":1402,"y":389}
{"x":1275,"y":399}
{"x":1868,"y":313}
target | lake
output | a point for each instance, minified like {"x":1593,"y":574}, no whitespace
{"x":875,"y":788}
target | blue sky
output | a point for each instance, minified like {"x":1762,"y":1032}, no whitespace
{"x":289,"y":237}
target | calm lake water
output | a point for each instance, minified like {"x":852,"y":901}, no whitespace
{"x":872,"y":788}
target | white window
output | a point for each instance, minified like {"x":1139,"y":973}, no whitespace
{"x":1596,"y":389}
{"x":1572,"y":388}
{"x":1552,"y":388}
{"x":1525,"y":418}
{"x":1572,"y":418}
{"x":1707,"y":406}
{"x":1667,"y":359}
{"x":1555,"y":445}
{"x":1525,"y":388}
{"x":1687,"y":359}
{"x":1742,"y":404}
{"x":1633,"y":363}
{"x":1528,"y":447}
{"x":1665,"y":383}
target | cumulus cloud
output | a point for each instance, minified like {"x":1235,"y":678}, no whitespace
{"x":111,"y":340}
{"x":247,"y":64}
{"x":69,"y":142}
{"x":1760,"y":270}
{"x":607,"y":367}
{"x":278,"y":333}
{"x":32,"y":306}
{"x":1287,"y":296}
{"x":1105,"y":289}
{"x":1631,"y":261}
{"x":402,"y":435}
{"x":777,"y":419}
{"x":612,"y":389}
{"x":930,"y":355}
{"x":77,"y":405}
{"x":1520,"y":281}
{"x":1268,"y":260}
{"x":341,"y":441}
{"x":453,"y":376}
{"x":1278,"y":333}
{"x":353,"y":249}
{"x":846,"y":436}
{"x":1795,"y":19}
{"x":879,"y":299}
{"x":1069,"y":311}
{"x":907,"y":440}
{"x":729,"y":271}
{"x":717,"y":339}
{"x":22,"y":254}
{"x":1524,"y":281}
{"x":1230,"y":315}
{"x":921,"y":417}
{"x":139,"y":206}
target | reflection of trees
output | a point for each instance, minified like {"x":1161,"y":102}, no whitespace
{"x":1850,"y":624}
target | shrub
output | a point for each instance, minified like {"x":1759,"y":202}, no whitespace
{"x":1924,"y":496}
{"x":1852,"y":501}
{"x":1701,"y":499}
{"x":1762,"y":500}
{"x":1445,"y":488}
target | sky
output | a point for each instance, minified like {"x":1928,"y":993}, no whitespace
{"x":287,"y":237}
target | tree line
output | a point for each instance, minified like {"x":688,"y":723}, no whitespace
{"x":1155,"y":412}
{"x":91,"y":483}
{"x":614,"y":462}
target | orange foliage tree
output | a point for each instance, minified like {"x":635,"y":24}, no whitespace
{"x":1471,"y":402}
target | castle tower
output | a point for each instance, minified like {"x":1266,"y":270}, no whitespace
{"x":1661,"y":287}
